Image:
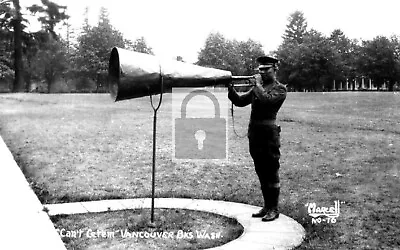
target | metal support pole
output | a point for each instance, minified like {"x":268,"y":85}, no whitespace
{"x":153,"y":176}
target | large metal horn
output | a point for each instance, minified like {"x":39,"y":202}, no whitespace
{"x":132,"y":74}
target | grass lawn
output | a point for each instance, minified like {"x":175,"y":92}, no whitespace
{"x":335,"y":146}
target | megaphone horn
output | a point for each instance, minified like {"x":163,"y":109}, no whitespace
{"x":133,"y":74}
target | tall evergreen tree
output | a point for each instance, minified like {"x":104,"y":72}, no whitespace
{"x":296,"y":29}
{"x":11,"y":23}
{"x":19,"y":83}
{"x":6,"y":62}
{"x":291,"y":69}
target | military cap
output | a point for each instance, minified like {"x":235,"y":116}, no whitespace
{"x":266,"y":62}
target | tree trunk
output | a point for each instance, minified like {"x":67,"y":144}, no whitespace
{"x":49,"y":76}
{"x":19,"y":83}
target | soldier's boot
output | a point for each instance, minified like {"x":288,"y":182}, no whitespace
{"x":272,"y":212}
{"x":263,"y":210}
{"x":260,"y":213}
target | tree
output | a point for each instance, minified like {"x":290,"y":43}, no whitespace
{"x":306,"y":65}
{"x":6,"y":43}
{"x":140,"y":45}
{"x":235,"y":56}
{"x":344,"y":60}
{"x":19,"y":83}
{"x":296,"y":29}
{"x":93,"y":50}
{"x":50,"y":14}
{"x":291,"y":69}
{"x":379,"y":59}
{"x":341,"y":45}
{"x":50,"y":60}
{"x":12,"y":23}
{"x":215,"y":53}
{"x":47,"y":53}
{"x":317,"y":58}
{"x":249,"y":51}
{"x":396,"y":43}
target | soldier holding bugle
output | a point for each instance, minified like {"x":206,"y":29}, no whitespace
{"x":266,"y":98}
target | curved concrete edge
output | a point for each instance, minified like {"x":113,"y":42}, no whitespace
{"x":24,"y":225}
{"x":283,"y":233}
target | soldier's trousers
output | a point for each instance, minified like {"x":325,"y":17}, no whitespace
{"x":264,"y":146}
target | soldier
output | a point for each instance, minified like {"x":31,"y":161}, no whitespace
{"x":266,"y":98}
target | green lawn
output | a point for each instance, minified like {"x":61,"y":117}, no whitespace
{"x":335,"y":146}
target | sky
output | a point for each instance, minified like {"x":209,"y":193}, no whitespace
{"x":180,"y":28}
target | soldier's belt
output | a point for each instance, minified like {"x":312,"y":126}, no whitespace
{"x":263,"y":122}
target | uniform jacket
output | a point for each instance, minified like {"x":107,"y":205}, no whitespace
{"x":265,"y":100}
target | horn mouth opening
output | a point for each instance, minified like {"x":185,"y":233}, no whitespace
{"x":114,"y":72}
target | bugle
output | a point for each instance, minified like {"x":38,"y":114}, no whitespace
{"x":239,"y":78}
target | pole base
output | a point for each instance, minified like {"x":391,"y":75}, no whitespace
{"x":152,"y":224}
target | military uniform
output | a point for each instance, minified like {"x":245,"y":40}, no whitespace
{"x":264,"y":136}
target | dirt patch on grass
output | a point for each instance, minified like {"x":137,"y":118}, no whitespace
{"x":131,"y":229}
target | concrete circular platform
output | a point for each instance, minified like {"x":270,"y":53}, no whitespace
{"x":283,"y":233}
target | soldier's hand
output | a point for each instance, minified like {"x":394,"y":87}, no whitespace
{"x":258,"y":78}
{"x":230,"y":86}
